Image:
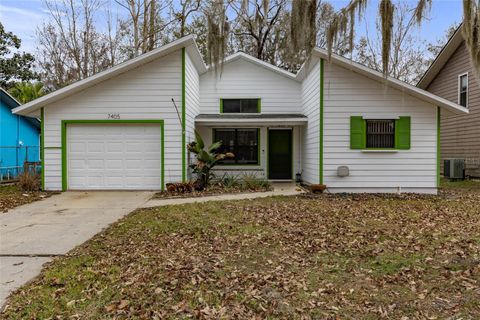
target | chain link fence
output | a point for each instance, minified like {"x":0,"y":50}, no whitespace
{"x":14,"y":160}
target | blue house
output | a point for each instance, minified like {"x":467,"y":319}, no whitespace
{"x":19,"y":138}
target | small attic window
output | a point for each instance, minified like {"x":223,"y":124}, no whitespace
{"x":463,"y":90}
{"x":240,"y":106}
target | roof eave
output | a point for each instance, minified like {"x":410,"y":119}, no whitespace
{"x":263,"y":64}
{"x":14,"y":104}
{"x":256,"y":122}
{"x":10,"y":97}
{"x":392,"y":82}
{"x":442,"y":58}
{"x":105,"y":75}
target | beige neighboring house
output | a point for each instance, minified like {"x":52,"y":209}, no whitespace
{"x":452,"y":76}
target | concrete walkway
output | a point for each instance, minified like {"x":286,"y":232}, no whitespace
{"x":33,"y":234}
{"x":279,"y":189}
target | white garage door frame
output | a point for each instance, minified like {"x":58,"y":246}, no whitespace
{"x":65,"y":124}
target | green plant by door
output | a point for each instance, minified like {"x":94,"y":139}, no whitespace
{"x":205,"y":160}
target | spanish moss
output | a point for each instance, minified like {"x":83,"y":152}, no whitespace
{"x":344,"y":21}
{"x":303,"y":28}
{"x":386,"y":10}
{"x":471,"y":31}
{"x":218,"y":30}
{"x":422,"y":6}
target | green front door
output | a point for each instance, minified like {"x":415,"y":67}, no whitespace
{"x":280,"y":154}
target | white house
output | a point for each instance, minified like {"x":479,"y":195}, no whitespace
{"x":335,"y":122}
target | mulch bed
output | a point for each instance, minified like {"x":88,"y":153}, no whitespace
{"x":214,"y":190}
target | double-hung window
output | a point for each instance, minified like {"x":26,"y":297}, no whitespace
{"x":243,"y":143}
{"x":240,"y":105}
{"x":463,"y":90}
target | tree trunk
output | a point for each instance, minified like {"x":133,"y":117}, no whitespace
{"x":152,"y":33}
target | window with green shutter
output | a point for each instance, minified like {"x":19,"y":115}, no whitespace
{"x":357,"y":133}
{"x":380,"y":134}
{"x":402,"y":133}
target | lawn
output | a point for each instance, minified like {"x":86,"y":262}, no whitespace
{"x":328,"y":257}
{"x":461,"y":185}
{"x":11,"y":196}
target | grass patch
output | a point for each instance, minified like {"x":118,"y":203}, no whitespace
{"x":362,"y":257}
{"x":458,"y":185}
{"x":393,"y":263}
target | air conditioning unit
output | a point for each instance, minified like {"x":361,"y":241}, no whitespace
{"x":454,"y":168}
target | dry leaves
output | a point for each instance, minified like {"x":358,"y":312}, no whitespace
{"x":11,"y":196}
{"x":306,"y":257}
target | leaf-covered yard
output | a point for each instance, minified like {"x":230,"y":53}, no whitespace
{"x":11,"y":196}
{"x":337,"y":257}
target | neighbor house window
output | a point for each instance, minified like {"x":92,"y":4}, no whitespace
{"x":381,"y":134}
{"x":243,"y":143}
{"x":463,"y":89}
{"x":240,"y":105}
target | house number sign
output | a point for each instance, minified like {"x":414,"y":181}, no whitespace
{"x":114,"y":116}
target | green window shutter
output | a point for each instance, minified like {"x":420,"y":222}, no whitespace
{"x":402,"y":133}
{"x":357,"y":133}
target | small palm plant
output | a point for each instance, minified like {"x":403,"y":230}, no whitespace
{"x":206,"y":160}
{"x":26,"y":91}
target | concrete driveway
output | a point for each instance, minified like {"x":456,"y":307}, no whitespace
{"x":33,"y":234}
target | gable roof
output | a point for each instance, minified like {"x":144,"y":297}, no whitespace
{"x":189,"y":44}
{"x":447,"y":51}
{"x":12,"y":103}
{"x":9,"y":100}
{"x":258,"y":62}
{"x":389,"y":81}
{"x":186,"y":42}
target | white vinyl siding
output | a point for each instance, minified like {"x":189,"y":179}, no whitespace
{"x":146,"y":93}
{"x":259,"y":170}
{"x":142,"y":93}
{"x":350,"y":94}
{"x":192,"y":106}
{"x":243,"y":79}
{"x":311,"y":133}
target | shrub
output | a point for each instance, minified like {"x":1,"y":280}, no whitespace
{"x":252,"y":182}
{"x":205,"y":160}
{"x":29,"y":181}
{"x":230,"y":181}
{"x":181,"y":187}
